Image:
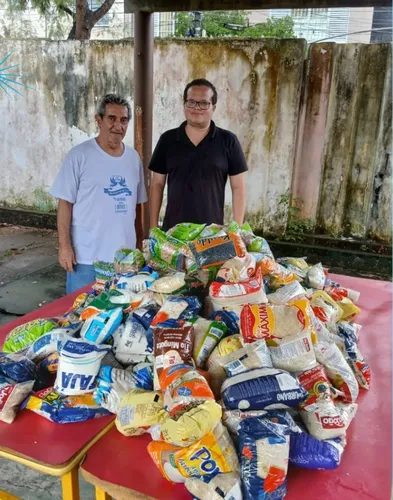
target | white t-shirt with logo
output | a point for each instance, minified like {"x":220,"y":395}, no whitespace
{"x":105,"y":191}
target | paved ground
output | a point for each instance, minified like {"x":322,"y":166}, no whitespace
{"x":29,"y":277}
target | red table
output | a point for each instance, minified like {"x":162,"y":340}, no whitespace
{"x":121,"y":466}
{"x":55,"y":449}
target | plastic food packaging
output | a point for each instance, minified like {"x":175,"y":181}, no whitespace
{"x":183,"y":387}
{"x":167,"y":249}
{"x":173,"y":346}
{"x":215,"y":251}
{"x":237,"y":294}
{"x":104,"y":272}
{"x":101,"y":327}
{"x":338,"y":293}
{"x":79,"y":364}
{"x":232,"y":418}
{"x":293,"y":353}
{"x":145,"y":315}
{"x":169,"y":284}
{"x":137,"y":283}
{"x":213,"y":454}
{"x":226,"y":346}
{"x":130,"y":339}
{"x":187,"y":427}
{"x":207,"y":334}
{"x":17,"y":367}
{"x":12,"y":394}
{"x":310,"y":453}
{"x":349,"y":310}
{"x":361,"y":369}
{"x":316,"y":277}
{"x":212,"y":230}
{"x":264,"y":454}
{"x":47,"y":343}
{"x":24,"y":335}
{"x":269,"y":322}
{"x":287,"y":293}
{"x":128,"y":261}
{"x":237,"y":269}
{"x":186,"y":231}
{"x":64,"y":409}
{"x":338,"y":370}
{"x":275,"y":274}
{"x":330,"y":421}
{"x":262,"y":389}
{"x":325,"y":308}
{"x":216,"y":487}
{"x":316,"y":383}
{"x":177,"y":308}
{"x":139,"y":410}
{"x":255,"y":243}
{"x":255,"y":355}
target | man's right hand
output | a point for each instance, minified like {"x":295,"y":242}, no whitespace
{"x":67,"y":258}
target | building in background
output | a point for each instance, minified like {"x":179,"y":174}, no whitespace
{"x":382,"y":21}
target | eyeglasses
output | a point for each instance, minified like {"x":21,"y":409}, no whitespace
{"x":204,"y":105}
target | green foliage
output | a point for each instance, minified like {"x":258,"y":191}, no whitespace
{"x":213,"y":23}
{"x":297,"y":226}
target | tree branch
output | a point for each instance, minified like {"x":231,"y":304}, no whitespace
{"x":67,"y":10}
{"x":102,"y":10}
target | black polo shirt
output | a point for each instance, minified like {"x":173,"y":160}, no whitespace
{"x":197,"y":175}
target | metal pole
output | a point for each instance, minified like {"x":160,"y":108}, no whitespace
{"x":143,"y":95}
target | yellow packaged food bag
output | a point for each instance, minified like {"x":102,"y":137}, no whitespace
{"x":226,"y":346}
{"x":139,"y":410}
{"x":325,"y":308}
{"x":349,"y":310}
{"x":214,"y":453}
{"x":189,"y":427}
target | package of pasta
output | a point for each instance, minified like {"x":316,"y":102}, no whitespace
{"x":167,"y":248}
{"x":255,"y":355}
{"x":64,"y":409}
{"x":139,"y":410}
{"x":347,"y":332}
{"x":183,"y":387}
{"x":270,"y":322}
{"x":207,"y":334}
{"x":128,"y":261}
{"x":188,"y":426}
{"x":338,"y":370}
{"x":216,"y":487}
{"x":213,"y":454}
{"x":264,"y":455}
{"x":215,"y":251}
{"x":325,"y":308}
{"x":225,"y":294}
{"x":186,"y":231}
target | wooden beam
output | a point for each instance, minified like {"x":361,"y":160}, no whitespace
{"x":204,"y":5}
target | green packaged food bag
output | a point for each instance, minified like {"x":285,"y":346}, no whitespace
{"x":167,"y":249}
{"x":186,"y":231}
{"x":24,"y":335}
{"x":128,"y":261}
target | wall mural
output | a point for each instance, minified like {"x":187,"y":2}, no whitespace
{"x":8,"y":80}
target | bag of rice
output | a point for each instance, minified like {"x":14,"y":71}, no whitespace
{"x":47,"y":343}
{"x":338,"y":293}
{"x":264,"y":454}
{"x":177,"y":308}
{"x":79,"y":364}
{"x":24,"y":335}
{"x":64,"y":409}
{"x":213,"y":454}
{"x":183,"y":387}
{"x":215,"y":251}
{"x":137,"y":283}
{"x":330,"y":420}
{"x":255,"y":355}
{"x":307,"y":452}
{"x":293,"y":353}
{"x":226,"y":346}
{"x":316,"y":277}
{"x":237,"y":269}
{"x":12,"y":394}
{"x":130,"y":341}
{"x":228,"y":317}
{"x":138,"y":411}
{"x":207,"y":334}
{"x":188,"y":426}
{"x":216,"y":487}
{"x":287,"y":293}
{"x":270,"y":322}
{"x":237,"y":294}
{"x":262,"y":389}
{"x":325,"y":308}
{"x":168,"y":284}
{"x":232,"y":418}
{"x":338,"y":370}
{"x":101,"y":327}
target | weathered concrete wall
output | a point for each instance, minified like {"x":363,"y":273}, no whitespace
{"x":316,"y":126}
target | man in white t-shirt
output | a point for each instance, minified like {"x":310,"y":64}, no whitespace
{"x":100,"y":188}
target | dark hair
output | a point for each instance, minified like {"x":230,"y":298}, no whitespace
{"x":201,"y":82}
{"x":112,"y":99}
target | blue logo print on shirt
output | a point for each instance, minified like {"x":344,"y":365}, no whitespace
{"x":117,"y":187}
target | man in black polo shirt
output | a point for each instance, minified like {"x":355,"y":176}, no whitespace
{"x":197,"y":158}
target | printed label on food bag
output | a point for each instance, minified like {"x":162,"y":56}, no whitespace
{"x":5,"y":393}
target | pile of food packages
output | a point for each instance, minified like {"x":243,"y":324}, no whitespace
{"x":237,"y":364}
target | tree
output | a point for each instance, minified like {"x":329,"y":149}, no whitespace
{"x":216,"y":24}
{"x":83,"y":17}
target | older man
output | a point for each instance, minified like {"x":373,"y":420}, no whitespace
{"x":100,"y":188}
{"x":196,"y":159}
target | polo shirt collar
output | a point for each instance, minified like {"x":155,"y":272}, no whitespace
{"x":181,"y":131}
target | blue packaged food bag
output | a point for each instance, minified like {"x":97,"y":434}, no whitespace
{"x":230,"y":318}
{"x":99,"y":328}
{"x":310,"y":453}
{"x":17,"y":367}
{"x":264,"y":452}
{"x":262,"y":389}
{"x":145,"y":315}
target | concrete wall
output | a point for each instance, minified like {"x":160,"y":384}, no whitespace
{"x":320,"y":127}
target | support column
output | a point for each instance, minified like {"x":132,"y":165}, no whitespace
{"x":143,"y":95}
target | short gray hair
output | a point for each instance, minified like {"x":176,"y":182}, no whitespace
{"x":112,"y":99}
